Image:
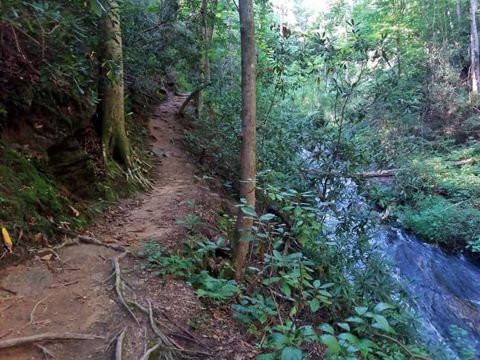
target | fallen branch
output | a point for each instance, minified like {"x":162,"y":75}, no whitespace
{"x":190,"y":97}
{"x":46,"y":337}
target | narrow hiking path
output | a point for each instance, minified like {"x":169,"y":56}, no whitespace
{"x":74,"y":293}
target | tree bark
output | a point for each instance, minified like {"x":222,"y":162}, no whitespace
{"x":474,"y":49}
{"x":248,"y":147}
{"x":206,"y":42}
{"x":114,"y":137}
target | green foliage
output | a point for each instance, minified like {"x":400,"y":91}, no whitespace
{"x":53,"y":39}
{"x":191,"y":265}
{"x":296,"y":287}
{"x":190,"y":222}
{"x":439,"y":220}
{"x":216,"y":289}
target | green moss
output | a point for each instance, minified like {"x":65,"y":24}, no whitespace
{"x":29,"y":198}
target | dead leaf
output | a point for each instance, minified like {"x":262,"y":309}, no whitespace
{"x":47,"y":257}
{"x":7,"y":240}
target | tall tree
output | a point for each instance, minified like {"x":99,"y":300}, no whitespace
{"x":248,"y":147}
{"x":474,"y":48}
{"x":114,"y":137}
{"x":207,"y":11}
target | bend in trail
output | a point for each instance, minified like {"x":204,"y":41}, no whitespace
{"x":75,"y":293}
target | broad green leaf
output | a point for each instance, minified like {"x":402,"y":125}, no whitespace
{"x":381,"y":307}
{"x":271,"y":280}
{"x":355,"y":319}
{"x":344,"y":326}
{"x":291,"y":353}
{"x":352,"y":339}
{"x":277,"y":340}
{"x":327,"y":328}
{"x":332,"y":343}
{"x":382,"y":323}
{"x":361,"y":310}
{"x":314,"y":305}
{"x":309,"y":333}
{"x":248,"y":210}
{"x":267,"y":217}
{"x":286,"y":289}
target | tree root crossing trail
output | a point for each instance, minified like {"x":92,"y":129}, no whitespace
{"x":91,"y":301}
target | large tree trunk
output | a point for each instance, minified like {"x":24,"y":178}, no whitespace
{"x":114,"y":137}
{"x":248,"y":147}
{"x":474,"y":48}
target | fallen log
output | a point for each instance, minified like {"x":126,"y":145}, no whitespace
{"x":379,"y":173}
{"x":463,"y":162}
{"x":190,"y":97}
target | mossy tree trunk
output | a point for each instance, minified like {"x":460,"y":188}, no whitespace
{"x":115,"y":142}
{"x":248,"y":147}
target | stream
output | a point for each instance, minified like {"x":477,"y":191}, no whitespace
{"x":443,"y":289}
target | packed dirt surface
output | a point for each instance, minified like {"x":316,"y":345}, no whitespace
{"x":72,"y":290}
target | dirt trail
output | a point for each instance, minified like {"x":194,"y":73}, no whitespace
{"x":75,"y":294}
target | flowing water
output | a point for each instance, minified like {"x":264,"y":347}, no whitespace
{"x":444,"y":290}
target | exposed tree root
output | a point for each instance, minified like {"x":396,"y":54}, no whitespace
{"x":119,"y":285}
{"x":119,"y":345}
{"x":35,"y":307}
{"x":164,"y":340}
{"x":168,"y":345}
{"x":94,"y":241}
{"x":86,"y":240}
{"x":46,"y":337}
